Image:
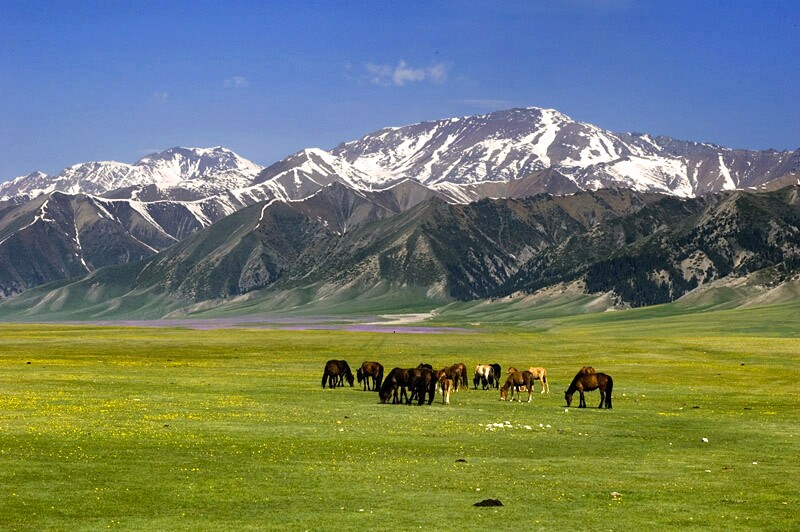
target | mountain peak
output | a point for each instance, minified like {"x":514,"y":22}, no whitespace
{"x":213,"y":168}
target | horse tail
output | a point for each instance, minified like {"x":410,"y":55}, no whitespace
{"x":609,"y":387}
{"x":379,"y":380}
{"x":325,"y":377}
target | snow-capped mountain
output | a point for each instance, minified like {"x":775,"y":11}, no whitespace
{"x":198,"y":172}
{"x":127,"y":211}
{"x":463,"y":159}
{"x":509,"y":145}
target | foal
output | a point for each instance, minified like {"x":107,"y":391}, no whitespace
{"x":447,"y":385}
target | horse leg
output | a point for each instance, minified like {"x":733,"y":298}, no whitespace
{"x":583,"y":400}
{"x":602,"y":398}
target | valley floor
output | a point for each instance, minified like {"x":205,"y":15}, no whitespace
{"x":229,"y":428}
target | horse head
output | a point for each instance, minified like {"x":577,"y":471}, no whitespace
{"x":568,"y":397}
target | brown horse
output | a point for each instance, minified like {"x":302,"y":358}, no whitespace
{"x":335,"y":373}
{"x":539,"y":374}
{"x":462,"y":368}
{"x":455,"y":373}
{"x":373,"y":371}
{"x":515,"y":381}
{"x":588,"y":381}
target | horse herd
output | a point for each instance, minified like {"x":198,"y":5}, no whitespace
{"x":406,"y":385}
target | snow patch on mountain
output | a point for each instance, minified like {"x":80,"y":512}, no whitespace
{"x":205,"y":170}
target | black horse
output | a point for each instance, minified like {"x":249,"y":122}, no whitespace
{"x":336,"y":371}
{"x":370,"y":371}
{"x":496,"y":376}
{"x":421,"y":381}
{"x":394,"y":386}
{"x":405,"y":385}
{"x":587,"y":380}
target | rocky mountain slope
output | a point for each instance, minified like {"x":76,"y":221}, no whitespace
{"x":125,"y":212}
{"x":640,"y":249}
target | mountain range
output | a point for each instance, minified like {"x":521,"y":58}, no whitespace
{"x":404,"y":207}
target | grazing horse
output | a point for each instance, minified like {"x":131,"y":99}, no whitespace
{"x":335,"y":373}
{"x":497,"y":373}
{"x":588,"y":381}
{"x":370,"y":370}
{"x":446,"y":385}
{"x":394,"y":386}
{"x":515,"y":381}
{"x":484,"y":374}
{"x":539,"y":374}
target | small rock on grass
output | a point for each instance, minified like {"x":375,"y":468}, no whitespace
{"x":489,"y":502}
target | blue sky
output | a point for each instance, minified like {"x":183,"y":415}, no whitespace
{"x":114,"y":80}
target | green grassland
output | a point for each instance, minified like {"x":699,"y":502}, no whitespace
{"x":150,"y":428}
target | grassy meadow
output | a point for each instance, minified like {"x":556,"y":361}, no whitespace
{"x":167,"y":428}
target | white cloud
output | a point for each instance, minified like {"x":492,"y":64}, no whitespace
{"x":386,"y":75}
{"x":236,"y":82}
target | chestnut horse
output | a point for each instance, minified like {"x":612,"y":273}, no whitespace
{"x":540,"y":374}
{"x":370,"y":370}
{"x":446,"y":385}
{"x":587,"y":380}
{"x":515,"y":381}
{"x":462,"y":368}
{"x":457,"y":373}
